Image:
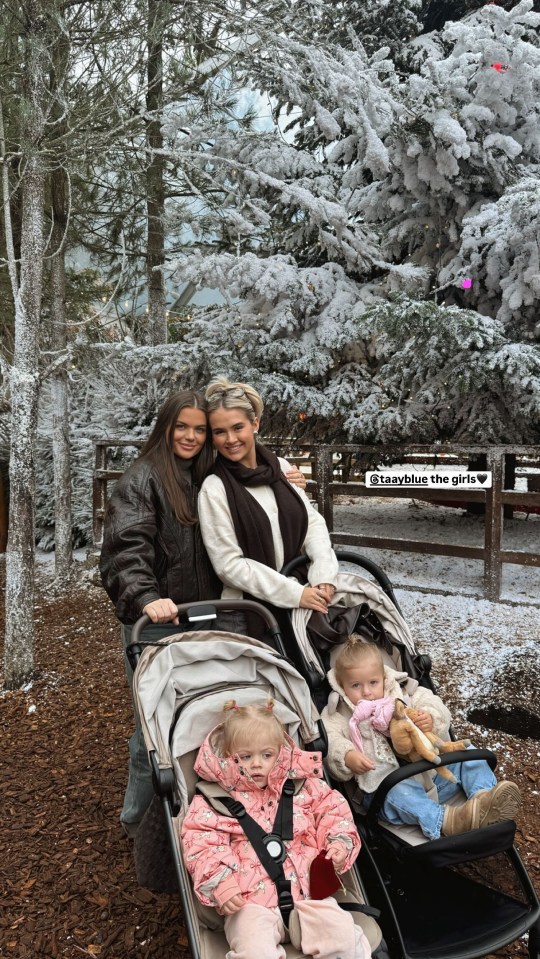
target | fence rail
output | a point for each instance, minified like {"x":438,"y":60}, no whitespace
{"x":338,"y":470}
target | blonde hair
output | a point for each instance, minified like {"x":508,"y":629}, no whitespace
{"x":249,"y":724}
{"x":221,"y":393}
{"x":355,"y":652}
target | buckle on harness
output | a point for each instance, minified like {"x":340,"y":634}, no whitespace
{"x":275,"y":847}
{"x":285,"y":899}
{"x":237,"y":809}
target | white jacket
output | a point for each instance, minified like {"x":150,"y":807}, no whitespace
{"x":337,"y":713}
{"x":242,"y":575}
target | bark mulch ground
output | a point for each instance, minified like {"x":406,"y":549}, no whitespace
{"x":67,"y":881}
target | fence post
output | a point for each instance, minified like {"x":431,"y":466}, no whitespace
{"x":324,"y":479}
{"x":99,"y":496}
{"x":493,"y":527}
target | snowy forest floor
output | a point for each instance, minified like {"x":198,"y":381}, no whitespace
{"x":67,"y":880}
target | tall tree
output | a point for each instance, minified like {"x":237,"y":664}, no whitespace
{"x":24,"y":375}
{"x":58,"y":179}
{"x":63,"y":550}
{"x":155,"y":203}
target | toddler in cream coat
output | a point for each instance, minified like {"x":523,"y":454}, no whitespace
{"x":357,"y":718}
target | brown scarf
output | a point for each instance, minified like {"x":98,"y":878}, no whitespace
{"x":251,"y":523}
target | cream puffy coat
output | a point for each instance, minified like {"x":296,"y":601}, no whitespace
{"x":337,"y":713}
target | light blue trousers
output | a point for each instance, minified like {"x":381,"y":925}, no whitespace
{"x":409,"y":803}
{"x":139,"y":789}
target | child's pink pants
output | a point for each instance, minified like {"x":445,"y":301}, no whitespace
{"x":328,"y":932}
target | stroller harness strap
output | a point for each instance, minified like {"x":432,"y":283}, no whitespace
{"x":270,"y":847}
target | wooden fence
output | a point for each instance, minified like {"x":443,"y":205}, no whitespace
{"x":338,"y":470}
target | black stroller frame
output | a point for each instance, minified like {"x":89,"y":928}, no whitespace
{"x":432,"y":900}
{"x":164,"y":779}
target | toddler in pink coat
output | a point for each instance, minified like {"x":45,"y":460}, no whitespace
{"x":251,"y":757}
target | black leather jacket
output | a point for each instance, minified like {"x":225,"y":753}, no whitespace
{"x":147,"y":553}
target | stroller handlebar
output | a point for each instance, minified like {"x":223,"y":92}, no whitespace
{"x":349,"y":556}
{"x":204,"y":611}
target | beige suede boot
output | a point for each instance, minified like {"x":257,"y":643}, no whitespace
{"x":458,"y":819}
{"x":484,"y":808}
{"x":501,"y":802}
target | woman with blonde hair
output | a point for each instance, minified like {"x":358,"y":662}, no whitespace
{"x":252,"y":520}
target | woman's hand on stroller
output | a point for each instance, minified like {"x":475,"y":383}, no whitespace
{"x":234,"y":904}
{"x":357,"y":762}
{"x":313,"y":598}
{"x":162,"y":611}
{"x":328,"y":589}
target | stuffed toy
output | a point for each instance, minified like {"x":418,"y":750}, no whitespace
{"x":412,"y":744}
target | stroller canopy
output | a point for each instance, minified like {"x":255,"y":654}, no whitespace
{"x":181,"y":684}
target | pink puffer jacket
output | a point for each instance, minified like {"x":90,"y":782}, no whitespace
{"x":218,"y":856}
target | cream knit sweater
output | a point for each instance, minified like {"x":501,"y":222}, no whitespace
{"x":242,"y":575}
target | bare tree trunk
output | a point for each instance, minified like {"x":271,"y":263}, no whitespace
{"x":63,"y":555}
{"x":155,"y":206}
{"x":20,"y":554}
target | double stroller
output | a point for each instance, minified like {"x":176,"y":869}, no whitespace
{"x":462,"y":897}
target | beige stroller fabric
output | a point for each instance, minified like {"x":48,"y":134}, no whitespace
{"x":181,"y":684}
{"x":351,"y":590}
{"x":195,"y":673}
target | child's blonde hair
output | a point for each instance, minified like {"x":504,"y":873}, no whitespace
{"x":249,"y":724}
{"x":355,"y":652}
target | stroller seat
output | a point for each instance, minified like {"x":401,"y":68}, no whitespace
{"x":420,"y":885}
{"x":180,"y":685}
{"x":382,"y":623}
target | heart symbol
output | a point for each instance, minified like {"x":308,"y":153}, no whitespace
{"x":481,"y":477}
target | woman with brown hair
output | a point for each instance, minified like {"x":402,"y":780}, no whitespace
{"x":153,"y":556}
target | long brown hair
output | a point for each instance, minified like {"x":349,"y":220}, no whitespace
{"x":159,"y":449}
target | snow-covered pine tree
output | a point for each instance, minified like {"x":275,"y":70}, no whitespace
{"x":294,"y":289}
{"x":500,"y":248}
{"x":380,"y":175}
{"x":468,"y":133}
{"x":377,"y":23}
{"x":473,"y":383}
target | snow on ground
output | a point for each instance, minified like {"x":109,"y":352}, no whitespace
{"x":406,"y":519}
{"x":471,"y":641}
{"x":468,"y":638}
